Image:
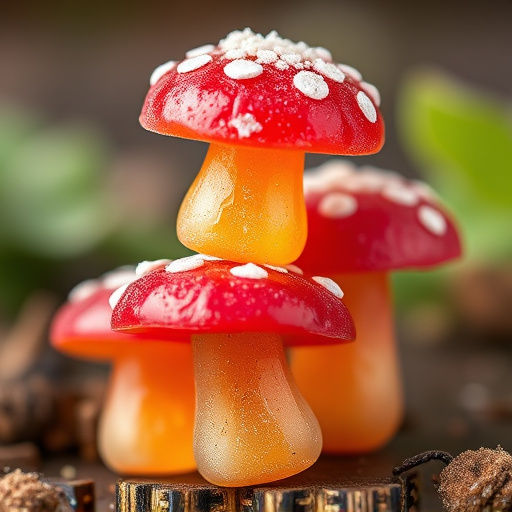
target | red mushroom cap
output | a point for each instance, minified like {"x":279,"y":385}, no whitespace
{"x":373,"y":220}
{"x":253,"y":90}
{"x":199,"y":294}
{"x":81,"y":326}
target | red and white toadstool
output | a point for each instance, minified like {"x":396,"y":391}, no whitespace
{"x":147,"y":422}
{"x":363,"y":224}
{"x":252,"y":425}
{"x":261,"y":103}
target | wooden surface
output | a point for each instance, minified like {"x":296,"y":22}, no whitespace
{"x":333,"y":484}
{"x":438,"y":417}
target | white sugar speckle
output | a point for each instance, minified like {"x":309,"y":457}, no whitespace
{"x":293,"y":268}
{"x":160,"y":71}
{"x":401,"y":195}
{"x":330,"y":285}
{"x":201,"y":50}
{"x":282,"y":270}
{"x":342,"y":176}
{"x":329,"y":70}
{"x":291,"y":58}
{"x":424,"y":190}
{"x":253,"y":43}
{"x":114,"y":298}
{"x":108,"y":281}
{"x":235,"y":53}
{"x":337,"y":205}
{"x":246,"y":125}
{"x":372,"y":91}
{"x":144,"y":267}
{"x":83,"y":290}
{"x":249,"y":271}
{"x":206,"y":257}
{"x":117,"y":277}
{"x":281,"y":65}
{"x":369,"y":181}
{"x":351,"y":72}
{"x":323,"y":53}
{"x":266,"y":56}
{"x":366,"y":106}
{"x":282,"y":54}
{"x":311,"y":84}
{"x":432,"y":220}
{"x":243,"y":69}
{"x":184,"y":264}
{"x":194,"y":63}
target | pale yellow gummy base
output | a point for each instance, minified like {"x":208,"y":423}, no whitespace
{"x":252,"y":425}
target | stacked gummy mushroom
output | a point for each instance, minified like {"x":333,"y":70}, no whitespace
{"x":147,"y":421}
{"x":261,"y":103}
{"x":365,"y":223}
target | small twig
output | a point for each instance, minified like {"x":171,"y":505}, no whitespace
{"x":422,"y":458}
{"x":22,"y":345}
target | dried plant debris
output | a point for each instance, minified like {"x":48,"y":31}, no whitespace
{"x":26,"y":492}
{"x":474,"y":481}
{"x":477,"y":480}
{"x":26,"y":407}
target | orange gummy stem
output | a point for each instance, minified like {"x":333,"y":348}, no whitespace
{"x":246,"y":205}
{"x":147,"y":423}
{"x":355,"y":390}
{"x":252,"y":425}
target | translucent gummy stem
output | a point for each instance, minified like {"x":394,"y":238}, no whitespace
{"x":252,"y":425}
{"x":246,"y":205}
{"x":147,"y":423}
{"x":355,"y":390}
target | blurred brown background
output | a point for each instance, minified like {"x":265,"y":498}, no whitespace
{"x":92,"y":60}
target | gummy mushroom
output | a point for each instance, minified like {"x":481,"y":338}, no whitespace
{"x":147,"y":421}
{"x":261,"y":103}
{"x":363,"y":224}
{"x":252,"y":425}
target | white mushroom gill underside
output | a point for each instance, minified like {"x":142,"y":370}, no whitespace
{"x":339,"y":179}
{"x":248,"y":54}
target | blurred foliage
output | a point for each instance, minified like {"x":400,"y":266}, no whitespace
{"x":460,"y":139}
{"x":51,"y":192}
{"x":59,"y":221}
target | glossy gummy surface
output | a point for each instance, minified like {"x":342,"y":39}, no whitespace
{"x":266,"y":111}
{"x":210,"y":299}
{"x":371,"y":220}
{"x":147,"y":420}
{"x":246,"y":205}
{"x":252,"y":424}
{"x":82,"y":329}
{"x":355,"y":390}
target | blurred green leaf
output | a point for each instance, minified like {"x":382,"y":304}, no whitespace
{"x":462,"y":136}
{"x":461,"y":140}
{"x":52,"y":199}
{"x":136,"y":243}
{"x":16,"y":125}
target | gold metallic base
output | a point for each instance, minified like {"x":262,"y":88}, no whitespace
{"x":333,"y":485}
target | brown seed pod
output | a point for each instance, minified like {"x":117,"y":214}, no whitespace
{"x":474,"y":481}
{"x":477,"y":480}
